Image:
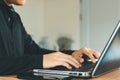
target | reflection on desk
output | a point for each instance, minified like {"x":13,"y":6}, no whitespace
{"x":114,"y":75}
{"x":8,"y":78}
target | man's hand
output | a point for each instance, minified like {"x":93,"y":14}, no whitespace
{"x":69,"y":61}
{"x":92,"y":54}
{"x":59,"y":59}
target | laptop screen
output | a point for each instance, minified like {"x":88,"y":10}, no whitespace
{"x":111,"y":58}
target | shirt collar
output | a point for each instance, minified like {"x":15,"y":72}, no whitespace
{"x":9,"y":8}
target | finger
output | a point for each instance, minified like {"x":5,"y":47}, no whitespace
{"x":66,"y":65}
{"x":71,"y":62}
{"x":89,"y":54}
{"x":70,"y":58}
{"x":96,"y":54}
{"x":81,"y":60}
{"x":73,"y":59}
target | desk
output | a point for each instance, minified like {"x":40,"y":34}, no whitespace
{"x":8,"y":78}
{"x":114,"y":75}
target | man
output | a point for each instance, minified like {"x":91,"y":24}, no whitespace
{"x":19,"y":53}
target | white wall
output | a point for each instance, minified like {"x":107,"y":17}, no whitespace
{"x":32,"y":14}
{"x":101,"y":18}
{"x":62,"y":19}
{"x":51,"y":18}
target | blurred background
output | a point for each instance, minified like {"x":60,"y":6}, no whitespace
{"x":70,"y":24}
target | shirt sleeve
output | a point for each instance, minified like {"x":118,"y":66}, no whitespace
{"x":12,"y":65}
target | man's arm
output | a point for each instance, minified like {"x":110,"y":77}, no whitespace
{"x":12,"y":65}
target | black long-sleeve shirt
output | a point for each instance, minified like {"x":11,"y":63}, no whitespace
{"x":18,"y":52}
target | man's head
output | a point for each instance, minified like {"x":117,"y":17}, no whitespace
{"x":15,"y":2}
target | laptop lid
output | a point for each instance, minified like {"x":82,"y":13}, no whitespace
{"x":110,"y":57}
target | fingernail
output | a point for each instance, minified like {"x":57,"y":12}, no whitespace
{"x":80,"y":65}
{"x":77,"y":66}
{"x":94,"y":61}
{"x":70,"y":67}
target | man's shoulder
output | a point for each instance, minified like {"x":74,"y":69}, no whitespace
{"x":1,"y":2}
{"x":1,"y":12}
{"x":1,"y":7}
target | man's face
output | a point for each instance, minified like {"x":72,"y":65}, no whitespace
{"x":16,"y":2}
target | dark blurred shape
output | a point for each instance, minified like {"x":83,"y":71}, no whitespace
{"x":64,"y":43}
{"x":48,"y":43}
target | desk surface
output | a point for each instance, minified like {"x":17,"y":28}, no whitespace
{"x":114,"y":75}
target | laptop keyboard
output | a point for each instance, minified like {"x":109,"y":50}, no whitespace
{"x":86,"y":66}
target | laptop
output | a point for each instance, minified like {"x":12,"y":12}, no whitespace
{"x":108,"y":61}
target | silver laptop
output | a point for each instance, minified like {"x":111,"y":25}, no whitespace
{"x":108,"y":61}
